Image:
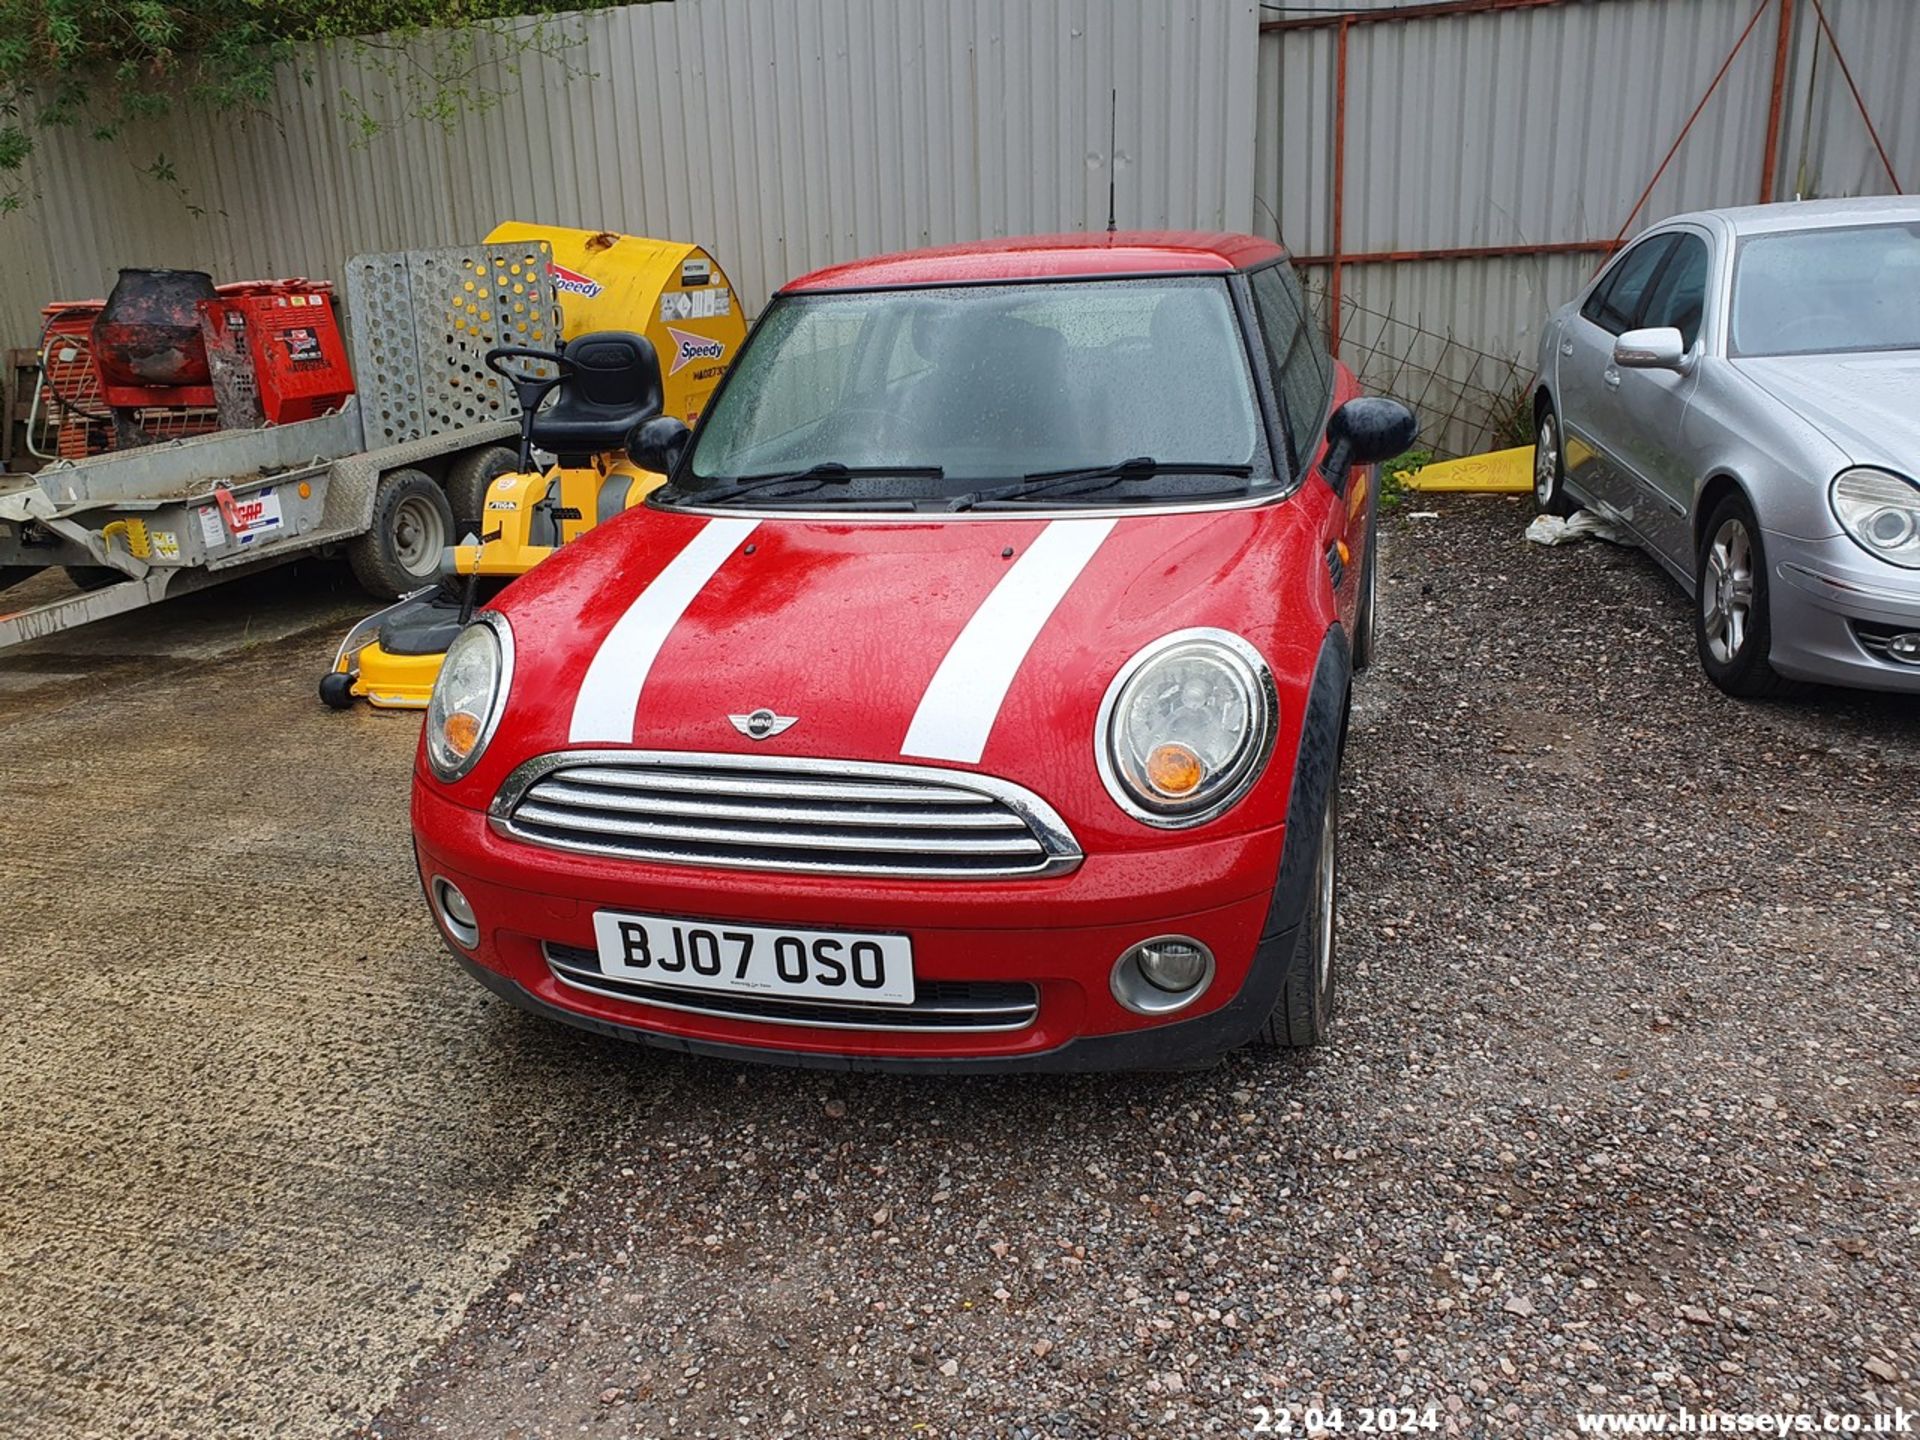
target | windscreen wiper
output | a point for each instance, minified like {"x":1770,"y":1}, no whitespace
{"x":1095,"y":477}
{"x":829,"y":472}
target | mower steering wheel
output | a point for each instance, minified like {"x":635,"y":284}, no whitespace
{"x":529,"y":390}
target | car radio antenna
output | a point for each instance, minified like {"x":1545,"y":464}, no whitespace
{"x":1113,"y":130}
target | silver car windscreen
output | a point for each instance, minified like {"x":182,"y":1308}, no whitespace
{"x":1826,"y":291}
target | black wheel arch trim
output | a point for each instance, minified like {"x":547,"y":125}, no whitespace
{"x":1316,"y":770}
{"x":1714,"y":488}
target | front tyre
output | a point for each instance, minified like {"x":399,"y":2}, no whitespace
{"x":1304,"y":1011}
{"x":1550,"y":467}
{"x":1733,"y":626}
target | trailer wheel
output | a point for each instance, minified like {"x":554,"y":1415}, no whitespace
{"x":469,"y":478}
{"x":412,"y":524}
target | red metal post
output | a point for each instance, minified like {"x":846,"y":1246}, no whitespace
{"x":1820,"y":12}
{"x":1674,"y":149}
{"x":1782,"y":46}
{"x":1339,"y":183}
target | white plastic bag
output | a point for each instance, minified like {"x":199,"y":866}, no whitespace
{"x":1581,"y":525}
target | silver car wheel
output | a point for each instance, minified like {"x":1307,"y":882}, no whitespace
{"x":1369,"y":593}
{"x":1546,"y":461}
{"x":1323,"y":898}
{"x":1726,"y":591}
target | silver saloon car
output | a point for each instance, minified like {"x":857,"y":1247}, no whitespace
{"x":1741,"y":390}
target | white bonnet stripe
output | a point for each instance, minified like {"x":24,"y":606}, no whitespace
{"x":963,"y":700}
{"x":610,"y":694}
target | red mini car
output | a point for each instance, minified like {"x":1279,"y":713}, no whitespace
{"x":971,"y":697}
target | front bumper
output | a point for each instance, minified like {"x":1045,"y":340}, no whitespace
{"x":1060,"y":934}
{"x":1829,"y":601}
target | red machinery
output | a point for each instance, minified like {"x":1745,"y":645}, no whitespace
{"x":170,"y":354}
{"x":289,"y":341}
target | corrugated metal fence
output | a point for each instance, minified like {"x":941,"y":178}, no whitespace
{"x":782,"y":136}
{"x":789,"y":135}
{"x":1522,"y":125}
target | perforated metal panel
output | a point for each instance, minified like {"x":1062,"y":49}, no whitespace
{"x":422,"y":323}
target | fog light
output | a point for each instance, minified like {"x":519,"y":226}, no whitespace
{"x":1905,"y":648}
{"x":1175,"y":966}
{"x":1166,"y":973}
{"x":455,"y":913}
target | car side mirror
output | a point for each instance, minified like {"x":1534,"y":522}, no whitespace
{"x":658,"y":444}
{"x":1657,"y":348}
{"x":1365,"y":431}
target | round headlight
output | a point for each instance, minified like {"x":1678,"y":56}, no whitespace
{"x":1881,"y":511}
{"x":1186,"y":726}
{"x":468,"y":695}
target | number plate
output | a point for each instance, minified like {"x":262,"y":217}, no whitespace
{"x":835,"y":965}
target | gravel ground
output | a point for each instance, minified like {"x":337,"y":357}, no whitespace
{"x":1620,"y":1113}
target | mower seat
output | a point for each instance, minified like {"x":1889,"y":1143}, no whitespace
{"x":615,"y":385}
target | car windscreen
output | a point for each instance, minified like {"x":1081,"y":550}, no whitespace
{"x":923,"y":393}
{"x":1813,"y":292}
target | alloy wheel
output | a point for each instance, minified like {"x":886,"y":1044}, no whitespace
{"x":1546,"y":461}
{"x":1726,"y":590}
{"x":1323,"y":884}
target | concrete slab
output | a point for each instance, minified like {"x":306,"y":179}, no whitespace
{"x":259,"y":1141}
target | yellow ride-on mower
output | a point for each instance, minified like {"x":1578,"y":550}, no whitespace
{"x":606,"y":394}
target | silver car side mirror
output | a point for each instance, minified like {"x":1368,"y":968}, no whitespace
{"x":1657,"y":348}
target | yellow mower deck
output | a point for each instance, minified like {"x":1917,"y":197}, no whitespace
{"x":395,"y":682}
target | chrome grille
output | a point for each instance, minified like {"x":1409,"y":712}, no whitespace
{"x":780,"y":813}
{"x":948,"y":1005}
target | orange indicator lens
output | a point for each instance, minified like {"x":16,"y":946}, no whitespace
{"x":462,"y":732}
{"x":1174,"y":770}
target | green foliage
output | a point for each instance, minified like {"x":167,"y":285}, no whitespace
{"x":1511,"y":414}
{"x":1395,"y":473}
{"x":105,"y":66}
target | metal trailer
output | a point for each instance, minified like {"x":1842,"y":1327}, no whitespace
{"x":165,"y":519}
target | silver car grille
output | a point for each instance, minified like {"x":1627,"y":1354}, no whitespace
{"x":779,"y":813}
{"x":944,"y":1005}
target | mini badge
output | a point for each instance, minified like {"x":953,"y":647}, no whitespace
{"x":762,"y":724}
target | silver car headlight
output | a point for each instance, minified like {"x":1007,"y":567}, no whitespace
{"x":468,"y":695}
{"x":1881,"y":511}
{"x":1185,"y":727}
